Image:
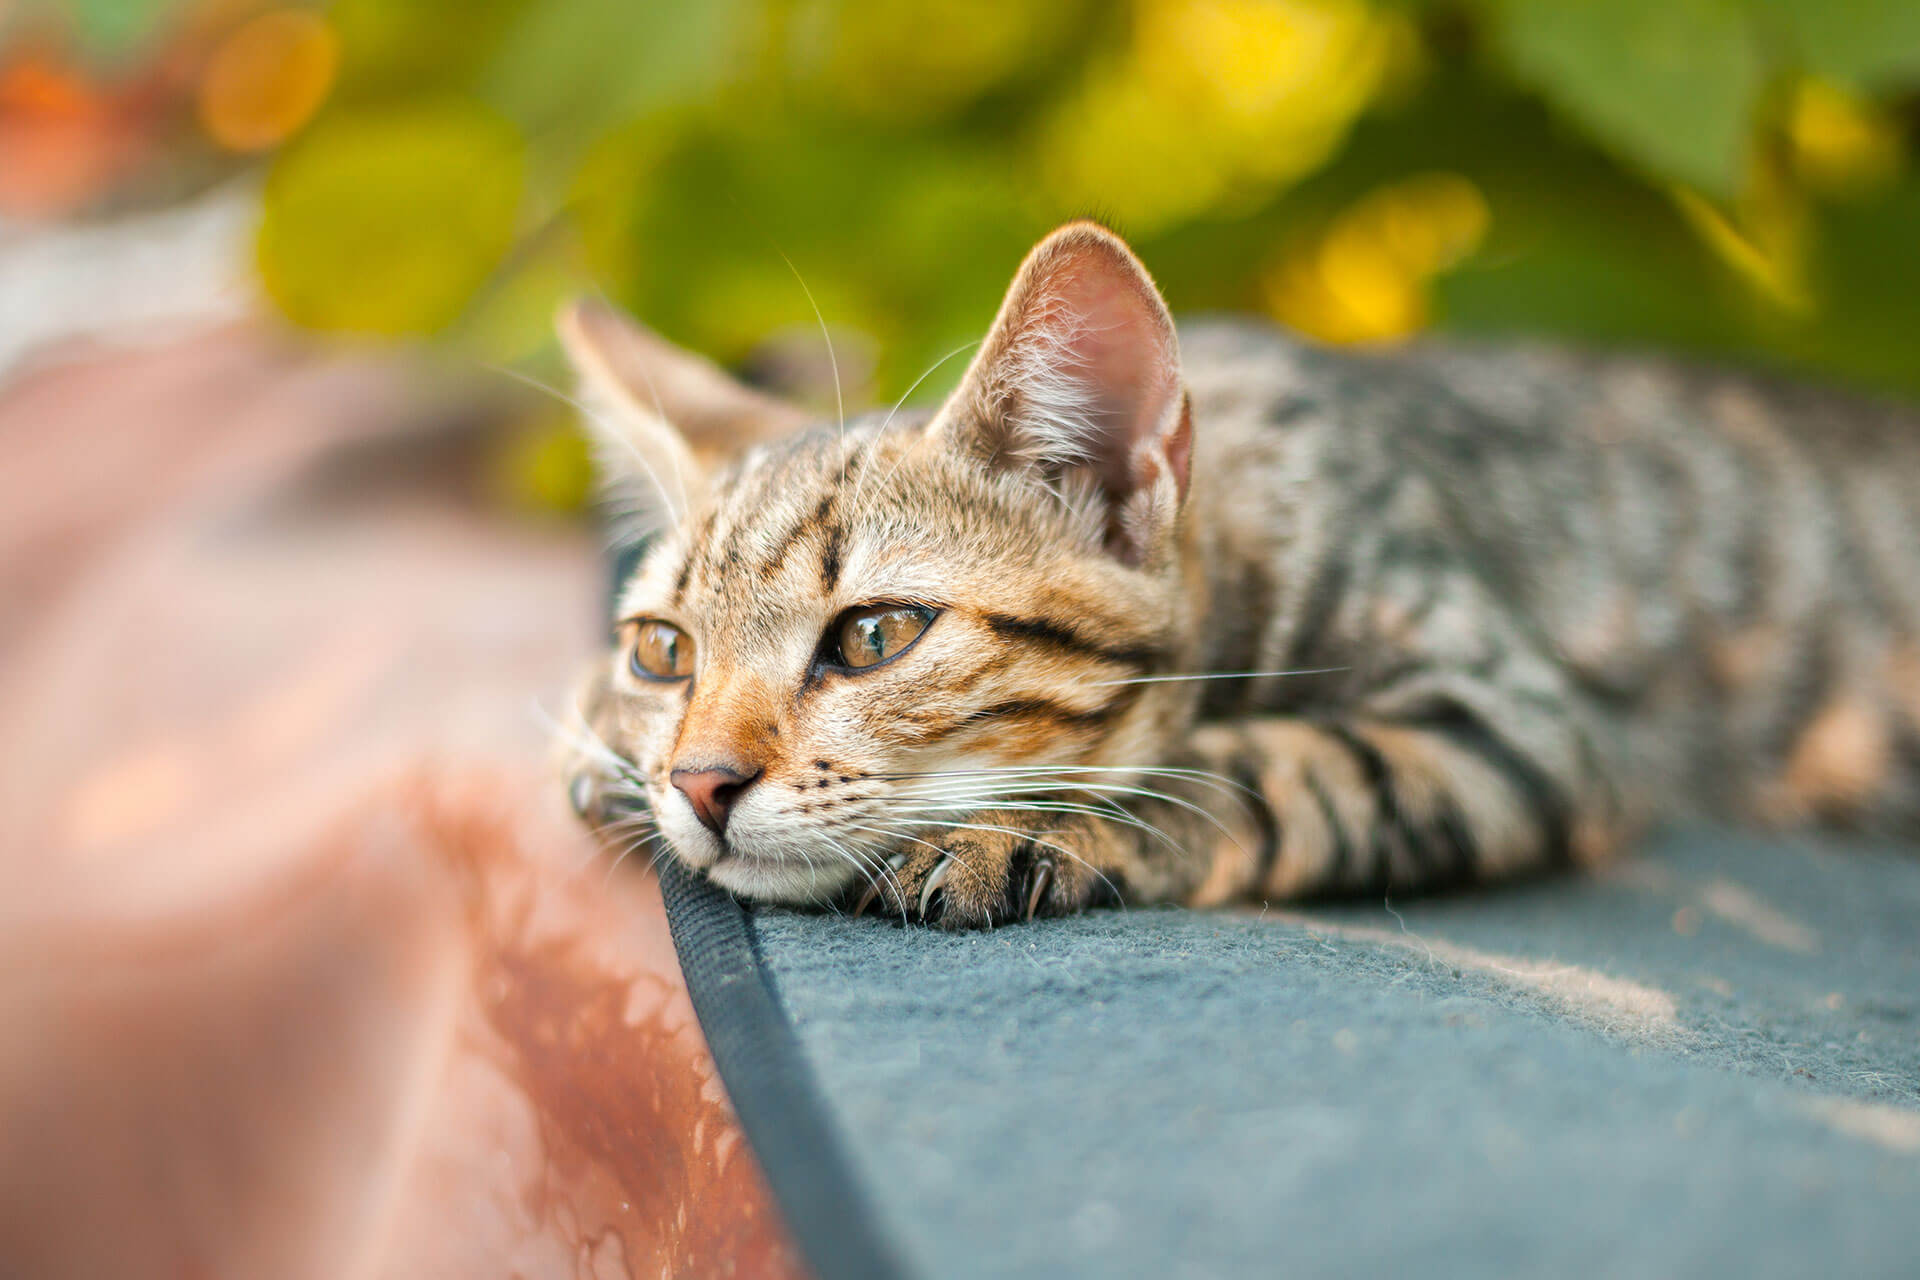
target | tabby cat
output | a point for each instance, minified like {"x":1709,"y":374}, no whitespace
{"x":1145,"y":617}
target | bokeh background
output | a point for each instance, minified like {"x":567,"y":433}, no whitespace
{"x":294,"y":571}
{"x":1735,"y":177}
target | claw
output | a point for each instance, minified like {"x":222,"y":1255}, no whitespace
{"x":580,"y":794}
{"x":1042,"y":877}
{"x":934,"y":881}
{"x":866,"y":900}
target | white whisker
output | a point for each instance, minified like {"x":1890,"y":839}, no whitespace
{"x":860,"y":488}
{"x":1220,"y":675}
{"x":1025,"y":835}
{"x":833,"y":360}
{"x":610,"y":431}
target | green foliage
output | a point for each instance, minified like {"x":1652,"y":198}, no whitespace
{"x":388,"y":223}
{"x":1730,"y":175}
{"x":112,"y":30}
{"x":1867,"y":44}
{"x":586,"y":65}
{"x":1670,"y":84}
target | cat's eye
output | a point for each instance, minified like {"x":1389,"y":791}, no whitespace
{"x":869,"y":636}
{"x":661,"y":651}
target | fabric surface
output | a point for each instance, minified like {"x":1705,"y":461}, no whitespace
{"x":1706,"y":1061}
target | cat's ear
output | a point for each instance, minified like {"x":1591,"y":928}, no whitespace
{"x":661,"y":418}
{"x":1081,"y":374}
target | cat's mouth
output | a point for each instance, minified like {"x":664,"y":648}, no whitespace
{"x":776,"y":876}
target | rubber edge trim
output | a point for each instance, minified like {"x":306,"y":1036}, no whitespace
{"x":771,"y":1085}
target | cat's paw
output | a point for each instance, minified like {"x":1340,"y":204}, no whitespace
{"x":594,"y":777}
{"x":586,"y":787}
{"x":999,"y":867}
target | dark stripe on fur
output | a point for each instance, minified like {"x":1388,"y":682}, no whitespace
{"x":1041,"y":707}
{"x":1324,"y":594}
{"x":1342,"y":864}
{"x":1243,"y":772}
{"x":1539,"y":795}
{"x":1060,"y":636}
{"x":806,"y":524}
{"x":1389,"y":823}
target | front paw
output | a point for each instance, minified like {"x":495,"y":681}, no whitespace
{"x":998,"y":867}
{"x":599,"y":782}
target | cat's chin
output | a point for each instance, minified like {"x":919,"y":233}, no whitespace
{"x":790,"y":882}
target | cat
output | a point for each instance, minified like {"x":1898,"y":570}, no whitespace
{"x":1153,"y":617}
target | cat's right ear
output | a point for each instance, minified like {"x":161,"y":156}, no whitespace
{"x":660,"y":418}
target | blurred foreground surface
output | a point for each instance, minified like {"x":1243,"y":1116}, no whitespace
{"x":301,"y":972}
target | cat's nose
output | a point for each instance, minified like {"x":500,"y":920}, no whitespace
{"x":712,"y":792}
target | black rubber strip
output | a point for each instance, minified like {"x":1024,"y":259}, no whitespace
{"x":759,"y":1060}
{"x":771,"y":1085}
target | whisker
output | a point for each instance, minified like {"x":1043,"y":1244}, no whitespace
{"x":833,"y":360}
{"x":591,"y":744}
{"x":611,"y":431}
{"x":859,"y":866}
{"x":1215,"y":781}
{"x":901,"y":835}
{"x":1110,"y":814}
{"x":900,"y":888}
{"x":885,"y":868}
{"x":629,"y":848}
{"x":860,"y":488}
{"x":1025,"y":835}
{"x":1004,"y":770}
{"x":1108,"y":788}
{"x":1220,"y":675}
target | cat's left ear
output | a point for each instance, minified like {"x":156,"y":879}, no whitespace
{"x":1081,"y":374}
{"x":660,"y":418}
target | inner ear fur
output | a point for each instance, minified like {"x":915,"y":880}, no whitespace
{"x":1081,"y":370}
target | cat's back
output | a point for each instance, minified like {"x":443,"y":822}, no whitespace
{"x":1717,"y":557}
{"x":1532,"y":453}
{"x":1531,"y":394}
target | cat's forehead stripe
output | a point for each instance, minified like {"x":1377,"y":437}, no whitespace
{"x":770,"y":510}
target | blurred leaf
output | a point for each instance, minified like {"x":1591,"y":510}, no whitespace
{"x":1868,"y":44}
{"x":414,"y":50}
{"x":907,"y":64}
{"x":511,"y":321}
{"x":110,"y":30}
{"x":910,"y":241}
{"x":388,"y":222}
{"x":1867,"y":275}
{"x":904,"y":157}
{"x":267,"y":78}
{"x":588,"y":64}
{"x":1671,"y":85}
{"x":545,"y":466}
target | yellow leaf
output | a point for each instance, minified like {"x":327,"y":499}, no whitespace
{"x":267,"y":78}
{"x":388,"y":222}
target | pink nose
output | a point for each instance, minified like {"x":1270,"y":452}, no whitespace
{"x":712,"y":792}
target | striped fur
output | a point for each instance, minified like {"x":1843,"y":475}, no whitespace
{"x":1538,"y":599}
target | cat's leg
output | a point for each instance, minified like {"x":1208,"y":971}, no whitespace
{"x":1364,"y":804}
{"x":1281,"y":807}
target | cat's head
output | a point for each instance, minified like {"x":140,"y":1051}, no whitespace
{"x":838,"y":640}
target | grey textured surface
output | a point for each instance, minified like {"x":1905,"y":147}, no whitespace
{"x":1705,"y":1062}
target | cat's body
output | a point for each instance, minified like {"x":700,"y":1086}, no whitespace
{"x":1525,"y":601}
{"x":1717,"y":577}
